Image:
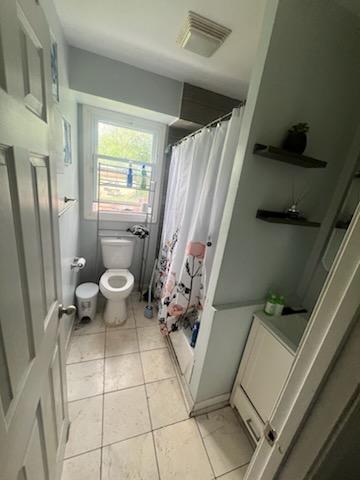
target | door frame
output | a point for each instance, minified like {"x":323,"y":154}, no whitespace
{"x":329,"y":325}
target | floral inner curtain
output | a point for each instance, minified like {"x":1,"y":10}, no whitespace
{"x":199,"y":176}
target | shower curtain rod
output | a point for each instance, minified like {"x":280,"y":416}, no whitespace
{"x":211,"y":124}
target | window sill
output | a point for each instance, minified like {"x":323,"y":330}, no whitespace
{"x":120,"y":217}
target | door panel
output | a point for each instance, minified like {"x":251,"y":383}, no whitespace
{"x":57,"y":394}
{"x":32,"y":61}
{"x":34,"y":467}
{"x":6,"y":394}
{"x":33,"y":411}
{"x":26,"y":197}
{"x":50,"y":433}
{"x":41,"y":178}
{"x":14,"y":316}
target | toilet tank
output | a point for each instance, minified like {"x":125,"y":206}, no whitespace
{"x":117,"y":252}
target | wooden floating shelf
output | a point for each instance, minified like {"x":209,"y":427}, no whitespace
{"x":342,"y":225}
{"x":287,"y":157}
{"x":279,"y":217}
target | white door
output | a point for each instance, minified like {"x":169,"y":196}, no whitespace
{"x":33,"y":415}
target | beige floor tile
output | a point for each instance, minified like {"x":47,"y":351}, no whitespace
{"x":86,"y":422}
{"x":225,"y":441}
{"x":237,"y":474}
{"x":119,"y":342}
{"x":86,"y":347}
{"x":125,"y":414}
{"x":150,"y":338}
{"x":157,"y":365}
{"x":131,"y":459}
{"x":123,"y":371}
{"x":140,"y":319}
{"x":83,"y":467}
{"x":180,"y":452}
{"x":166,"y":403}
{"x":96,"y":326}
{"x":85,"y":379}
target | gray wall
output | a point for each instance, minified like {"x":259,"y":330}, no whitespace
{"x":103,"y":77}
{"x":67,"y":182}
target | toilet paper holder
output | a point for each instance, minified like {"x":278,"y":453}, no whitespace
{"x":78,"y":263}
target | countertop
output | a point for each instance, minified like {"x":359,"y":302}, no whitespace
{"x":288,"y":329}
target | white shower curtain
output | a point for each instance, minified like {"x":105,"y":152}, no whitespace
{"x":199,"y":176}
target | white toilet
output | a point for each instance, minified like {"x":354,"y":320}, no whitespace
{"x":117,"y":282}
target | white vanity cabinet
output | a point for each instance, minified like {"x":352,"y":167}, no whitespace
{"x":264,"y":367}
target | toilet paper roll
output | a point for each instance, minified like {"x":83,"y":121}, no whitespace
{"x":81,"y":263}
{"x":78,"y":263}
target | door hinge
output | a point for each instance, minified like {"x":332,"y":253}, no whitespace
{"x":68,"y":432}
{"x":270,"y":434}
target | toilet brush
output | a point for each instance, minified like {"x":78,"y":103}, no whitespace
{"x":148,"y":310}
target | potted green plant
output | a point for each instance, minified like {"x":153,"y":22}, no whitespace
{"x":295,"y":140}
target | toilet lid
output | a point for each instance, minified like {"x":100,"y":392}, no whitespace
{"x":87,"y":290}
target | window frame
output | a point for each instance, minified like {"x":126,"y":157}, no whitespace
{"x":91,"y":116}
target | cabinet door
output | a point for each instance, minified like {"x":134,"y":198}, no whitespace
{"x":266,"y":370}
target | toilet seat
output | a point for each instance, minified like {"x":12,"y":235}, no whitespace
{"x":116,"y":284}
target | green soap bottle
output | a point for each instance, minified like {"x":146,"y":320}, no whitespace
{"x":270,"y":305}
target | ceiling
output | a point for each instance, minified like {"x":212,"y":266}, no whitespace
{"x":143,"y":33}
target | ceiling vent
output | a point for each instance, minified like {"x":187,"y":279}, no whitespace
{"x":201,"y":35}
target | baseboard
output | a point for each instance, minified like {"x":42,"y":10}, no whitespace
{"x":211,"y":404}
{"x":195,"y":409}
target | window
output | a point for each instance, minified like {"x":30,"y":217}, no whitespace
{"x":122,"y":166}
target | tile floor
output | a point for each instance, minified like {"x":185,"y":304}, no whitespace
{"x":128,"y":416}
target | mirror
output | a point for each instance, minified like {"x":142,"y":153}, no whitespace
{"x":346,"y":212}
